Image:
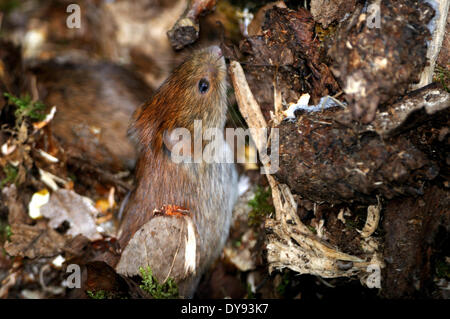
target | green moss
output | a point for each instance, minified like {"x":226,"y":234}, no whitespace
{"x":99,"y":294}
{"x":7,"y":6}
{"x":11,"y":175}
{"x":358,"y":220}
{"x":103,"y":294}
{"x":284,"y":284}
{"x":250,"y":294}
{"x":73,"y":177}
{"x":442,"y":75}
{"x":5,"y":231}
{"x":312,"y":228}
{"x":443,"y":269}
{"x":8,"y":232}
{"x":351,"y":224}
{"x":261,"y":206}
{"x":237,"y":243}
{"x":167,"y":290}
{"x":26,"y":108}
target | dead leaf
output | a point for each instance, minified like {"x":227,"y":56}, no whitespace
{"x":78,"y":211}
{"x":34,"y":241}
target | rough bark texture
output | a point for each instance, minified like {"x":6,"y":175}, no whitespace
{"x":324,"y":160}
{"x":286,"y":53}
{"x":325,"y":157}
{"x":376,"y":63}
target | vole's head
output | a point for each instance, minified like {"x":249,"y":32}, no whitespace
{"x":201,"y":80}
{"x":196,"y":90}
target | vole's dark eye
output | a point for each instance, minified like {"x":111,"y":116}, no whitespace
{"x":203,"y":86}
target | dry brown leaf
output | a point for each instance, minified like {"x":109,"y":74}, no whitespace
{"x":34,"y":241}
{"x":78,"y":211}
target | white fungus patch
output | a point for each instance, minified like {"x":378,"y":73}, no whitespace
{"x":302,"y":104}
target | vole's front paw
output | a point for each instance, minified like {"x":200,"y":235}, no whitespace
{"x":172,"y":210}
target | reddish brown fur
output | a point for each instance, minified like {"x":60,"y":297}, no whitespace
{"x":177,"y":103}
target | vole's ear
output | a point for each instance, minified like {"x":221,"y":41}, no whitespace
{"x":177,"y":142}
{"x":133,"y":132}
{"x":145,"y":127}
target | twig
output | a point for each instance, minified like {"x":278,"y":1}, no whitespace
{"x":186,"y":29}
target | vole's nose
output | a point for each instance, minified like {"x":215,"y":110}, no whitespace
{"x":215,"y":49}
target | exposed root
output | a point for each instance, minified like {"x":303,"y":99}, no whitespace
{"x":290,"y":243}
